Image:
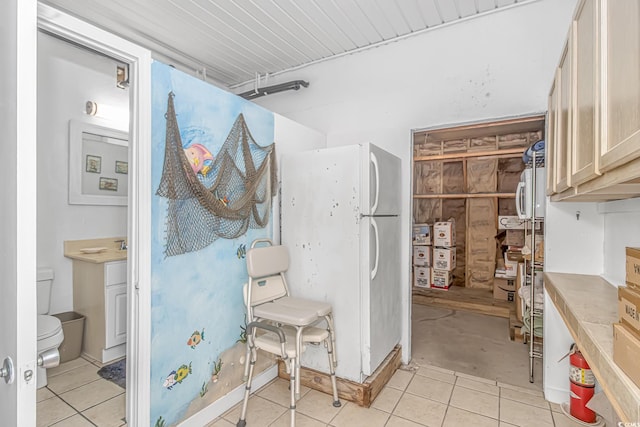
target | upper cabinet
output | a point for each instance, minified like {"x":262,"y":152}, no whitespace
{"x":585,"y":86}
{"x":550,"y":133}
{"x":563,"y":137}
{"x":620,"y":82}
{"x":594,"y":105}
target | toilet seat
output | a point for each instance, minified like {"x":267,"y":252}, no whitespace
{"x":50,"y":333}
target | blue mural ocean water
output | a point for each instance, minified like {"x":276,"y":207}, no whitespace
{"x":198,"y":291}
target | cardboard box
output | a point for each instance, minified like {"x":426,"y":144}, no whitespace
{"x":504,"y":288}
{"x":421,"y":234}
{"x":510,"y":267}
{"x":633,"y":268}
{"x":512,"y":222}
{"x":514,"y":238}
{"x":626,"y":348}
{"x":444,"y":233}
{"x":444,"y":258}
{"x":629,"y":309}
{"x":441,"y":279}
{"x":422,"y":256}
{"x":422,"y":277}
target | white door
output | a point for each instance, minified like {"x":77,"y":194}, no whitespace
{"x":18,"y":29}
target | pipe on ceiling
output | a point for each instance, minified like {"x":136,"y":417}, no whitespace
{"x":263,"y":91}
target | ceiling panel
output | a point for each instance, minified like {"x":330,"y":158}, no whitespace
{"x":233,"y":41}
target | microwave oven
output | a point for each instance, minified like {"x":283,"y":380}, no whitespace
{"x":525,"y":194}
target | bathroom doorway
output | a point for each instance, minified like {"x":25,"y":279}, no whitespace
{"x":80,"y":66}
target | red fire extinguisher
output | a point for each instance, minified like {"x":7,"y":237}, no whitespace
{"x":582,"y":386}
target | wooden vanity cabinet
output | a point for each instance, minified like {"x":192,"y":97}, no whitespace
{"x":100,"y":294}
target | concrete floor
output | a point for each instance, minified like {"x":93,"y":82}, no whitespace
{"x":471,"y":343}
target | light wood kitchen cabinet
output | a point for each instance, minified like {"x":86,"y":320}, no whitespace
{"x":595,"y":154}
{"x":585,"y":80}
{"x":100,"y":294}
{"x":562,"y":144}
{"x":620,"y":82}
{"x":551,"y":134}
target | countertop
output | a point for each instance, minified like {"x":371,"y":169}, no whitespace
{"x":589,"y":307}
{"x":72,"y":249}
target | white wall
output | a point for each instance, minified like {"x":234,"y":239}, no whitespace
{"x":291,"y":137}
{"x":498,"y":65}
{"x":621,"y":229}
{"x":68,"y":77}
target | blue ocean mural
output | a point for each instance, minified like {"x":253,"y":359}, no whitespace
{"x":209,"y":148}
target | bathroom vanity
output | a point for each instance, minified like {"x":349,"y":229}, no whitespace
{"x":100,"y":294}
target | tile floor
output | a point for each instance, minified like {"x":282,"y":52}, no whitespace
{"x":414,"y":397}
{"x":76,"y":396}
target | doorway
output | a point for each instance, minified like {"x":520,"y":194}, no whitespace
{"x":66,"y":30}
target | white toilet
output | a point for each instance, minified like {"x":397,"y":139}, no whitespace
{"x":50,"y":334}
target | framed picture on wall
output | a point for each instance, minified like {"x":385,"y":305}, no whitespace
{"x":122,"y":167}
{"x":93,"y":164}
{"x":109,"y":184}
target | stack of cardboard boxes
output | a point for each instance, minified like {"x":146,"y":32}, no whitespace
{"x":512,"y":237}
{"x":444,"y":254}
{"x":626,"y":333}
{"x":422,"y":255}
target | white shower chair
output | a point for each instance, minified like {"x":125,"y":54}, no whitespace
{"x":281,"y":324}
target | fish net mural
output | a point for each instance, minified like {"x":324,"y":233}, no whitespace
{"x":214,"y":197}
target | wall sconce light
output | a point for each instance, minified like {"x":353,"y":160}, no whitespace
{"x":91,"y":108}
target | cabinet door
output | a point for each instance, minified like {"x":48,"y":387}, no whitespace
{"x":620,"y":82}
{"x":551,"y":136}
{"x":585,"y":71}
{"x":563,"y":137}
{"x":116,"y":315}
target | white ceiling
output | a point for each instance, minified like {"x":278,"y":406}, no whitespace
{"x":233,"y":41}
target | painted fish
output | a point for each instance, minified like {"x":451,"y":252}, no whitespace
{"x":196,"y":338}
{"x":200,"y":158}
{"x":182,"y":373}
{"x":242,"y":251}
{"x":170,"y":381}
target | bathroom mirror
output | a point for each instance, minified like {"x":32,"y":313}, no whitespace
{"x":98,"y":165}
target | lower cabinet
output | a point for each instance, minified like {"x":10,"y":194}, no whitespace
{"x":100,"y":294}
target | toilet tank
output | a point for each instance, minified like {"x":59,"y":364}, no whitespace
{"x":44,"y":280}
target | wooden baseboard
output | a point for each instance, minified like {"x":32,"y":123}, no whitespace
{"x":361,"y":393}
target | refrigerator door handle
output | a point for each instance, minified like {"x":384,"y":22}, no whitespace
{"x":520,"y":202}
{"x":374,"y":162}
{"x":374,"y":271}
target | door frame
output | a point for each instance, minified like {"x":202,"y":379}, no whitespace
{"x":79,"y":32}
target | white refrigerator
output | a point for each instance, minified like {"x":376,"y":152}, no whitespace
{"x":340,"y":220}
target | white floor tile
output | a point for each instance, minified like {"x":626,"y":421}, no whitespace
{"x":387,"y":399}
{"x":524,"y":415}
{"x":401,"y":422}
{"x":73,"y":379}
{"x":523,"y":397}
{"x":109,"y":413}
{"x":91,"y":394}
{"x":278,"y":392}
{"x":319,"y":406}
{"x":457,"y":417}
{"x":260,"y":412}
{"x":66,"y":367}
{"x":43,"y":394}
{"x":478,"y":386}
{"x":420,"y":410}
{"x":437,"y":374}
{"x":474,"y":378}
{"x":400,"y":379}
{"x":51,"y":411}
{"x":430,"y":389}
{"x":74,"y":421}
{"x":475,"y":401}
{"x":353,"y":415}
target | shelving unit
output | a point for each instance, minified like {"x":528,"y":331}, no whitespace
{"x":532,"y":268}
